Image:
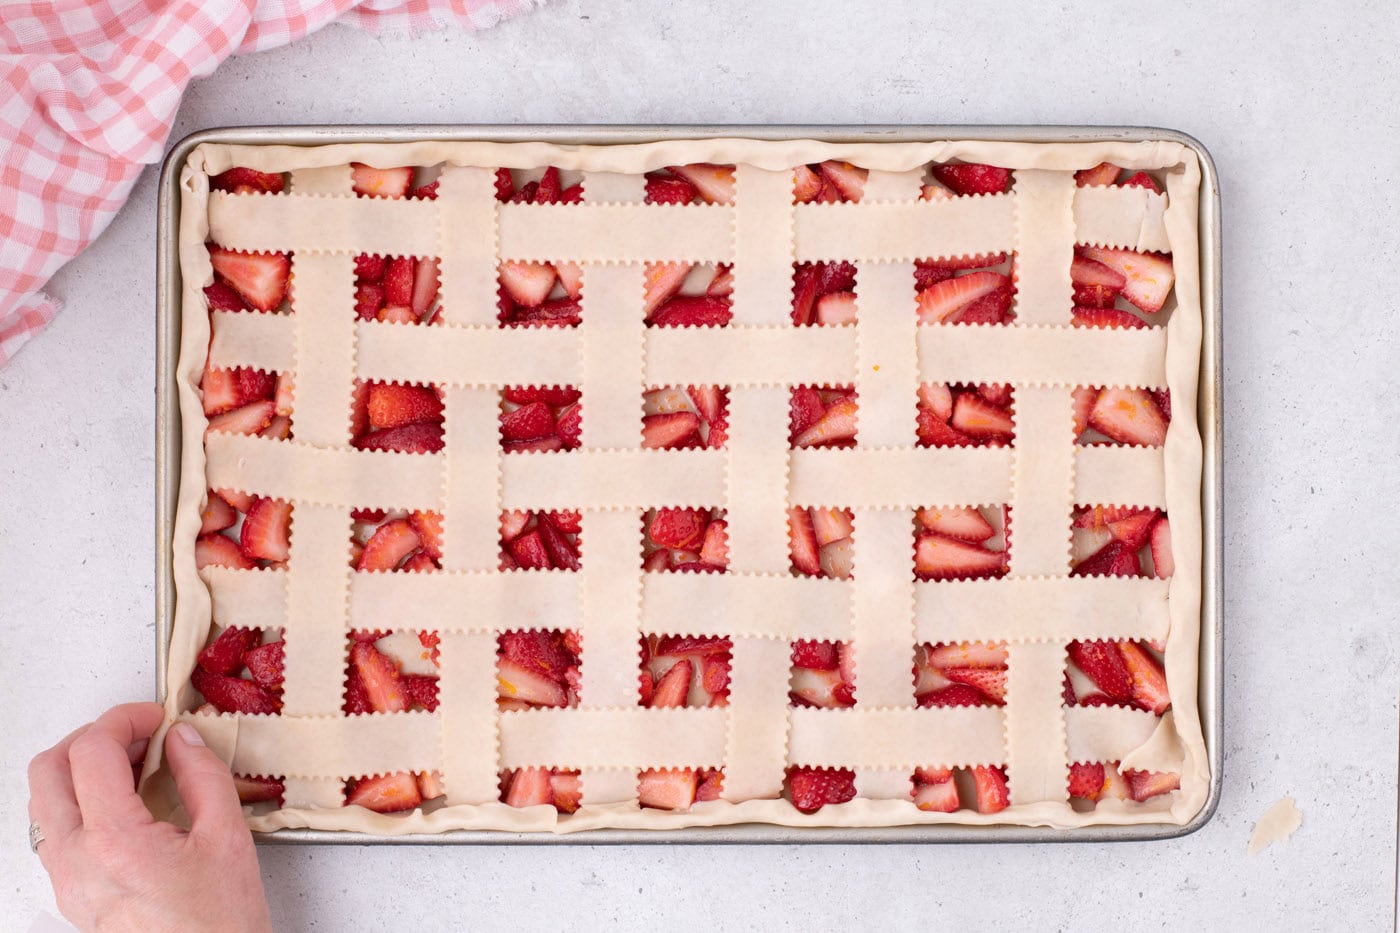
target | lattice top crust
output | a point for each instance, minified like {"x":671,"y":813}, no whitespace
{"x":1031,"y":402}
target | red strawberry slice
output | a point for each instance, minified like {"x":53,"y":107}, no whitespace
{"x":397,"y":314}
{"x":1144,"y":785}
{"x":517,"y":685}
{"x":806,"y":409}
{"x":692,"y":644}
{"x":563,"y":553}
{"x":952,"y":695}
{"x":539,"y":652}
{"x":806,"y":185}
{"x":266,"y":533}
{"x":220,"y":391}
{"x":246,"y":180}
{"x":430,"y":782}
{"x":526,"y":194}
{"x":709,"y":401}
{"x":939,"y":558}
{"x":1105,"y":173}
{"x":233,"y":694}
{"x":715,"y":551}
{"x":1106,"y":317}
{"x":673,"y":687}
{"x":425,"y":286}
{"x":677,"y":429}
{"x":261,"y":278}
{"x":666,"y":788}
{"x":692,"y":311}
{"x":714,"y":183}
{"x":663,"y":282}
{"x":549,"y":187}
{"x":992,"y":795}
{"x":832,"y":525}
{"x":975,"y":416}
{"x":681,"y":529}
{"x":529,"y":787}
{"x":568,"y":790}
{"x":1084,"y":398}
{"x":218,"y":551}
{"x":835,"y":428}
{"x":571,"y":278}
{"x":527,"y":422}
{"x":668,"y":189}
{"x":380,"y":182}
{"x":1142,"y":180}
{"x":389,"y":546}
{"x":813,"y":788}
{"x":258,"y":789}
{"x":527,"y":283}
{"x":529,"y":552}
{"x":806,"y":289}
{"x":1102,"y":662}
{"x":505,"y":184}
{"x":369,"y":299}
{"x":428,"y":525}
{"x":1149,"y":275}
{"x":1086,"y":271}
{"x":1102,"y":516}
{"x":967,"y":654}
{"x":421,"y":691}
{"x":1113,"y":560}
{"x":380,"y":676}
{"x":216,"y":515}
{"x":1133,"y":531}
{"x":965,"y":523}
{"x":398,"y":281}
{"x":223,"y":298}
{"x":264,"y":663}
{"x":250,"y":419}
{"x":847,"y":178}
{"x":389,"y":793}
{"x":421,"y":438}
{"x":1094,"y":296}
{"x":946,"y":301}
{"x":711,"y":785}
{"x":935,"y":791}
{"x":1129,"y":416}
{"x":836,"y":309}
{"x":973,"y":178}
{"x":224,"y":655}
{"x":990,"y":682}
{"x":1149,"y":680}
{"x":418,"y":562}
{"x":934,"y":433}
{"x":815,"y":655}
{"x":990,"y":309}
{"x":802,"y":542}
{"x":570,"y":426}
{"x":722,"y":285}
{"x":369,"y":267}
{"x":556,"y":396}
{"x":1163,"y":398}
{"x":1163,"y":566}
{"x":1086,"y":780}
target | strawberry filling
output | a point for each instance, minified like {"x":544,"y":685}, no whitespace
{"x":698,"y":183}
{"x":810,"y":789}
{"x":559,"y":788}
{"x":976,"y":289}
{"x":676,"y":539}
{"x":517,"y":186}
{"x":396,"y":417}
{"x":243,"y":532}
{"x":961,"y":543}
{"x":822,"y":675}
{"x":819,"y":542}
{"x":541,"y":540}
{"x":682,"y":417}
{"x":540,"y":418}
{"x":237,"y":673}
{"x":1120,"y":541}
{"x":965,"y":178}
{"x":683,"y":294}
{"x":963,"y":415}
{"x":823,"y":293}
{"x":822,"y":416}
{"x":828,"y":182}
{"x":397,"y":289}
{"x":537,"y":669}
{"x":684,"y":671}
{"x":960,"y":674}
{"x":540,"y":294}
{"x":381,"y":540}
{"x":678,"y":788}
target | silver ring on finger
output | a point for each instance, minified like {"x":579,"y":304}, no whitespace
{"x":36,"y":836}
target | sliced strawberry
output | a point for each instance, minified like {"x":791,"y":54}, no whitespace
{"x":218,"y":551}
{"x":1129,"y":416}
{"x":1086,"y":271}
{"x":526,"y":194}
{"x":527,"y":283}
{"x":677,"y":429}
{"x":832,"y":525}
{"x":992,"y":796}
{"x":1149,"y":680}
{"x":806,"y":185}
{"x":939,"y":558}
{"x":681,"y":529}
{"x":847,"y":178}
{"x":513,"y":523}
{"x":1084,"y":399}
{"x":975,"y":416}
{"x":673,"y":687}
{"x":418,"y":562}
{"x":814,"y":655}
{"x":1133,"y":531}
{"x":571,"y":278}
{"x":715,"y":551}
{"x":813,"y":788}
{"x":421,"y":438}
{"x":250,"y":419}
{"x":529,"y":787}
{"x":1106,"y":317}
{"x":258,"y":789}
{"x":246,"y":180}
{"x":666,"y":788}
{"x":663,"y":282}
{"x":1142,"y":180}
{"x":722,"y":285}
{"x":266,"y":532}
{"x":935,"y":790}
{"x":802,"y":542}
{"x":1102,"y":662}
{"x":693,"y":311}
{"x":527,"y":422}
{"x":529,"y":552}
{"x":934,"y":433}
{"x":806,"y":289}
{"x":806,"y":410}
{"x":1113,"y":560}
{"x":952,"y":695}
{"x":568,"y":790}
{"x":669,"y":189}
{"x":1163,"y":566}
{"x":223,"y":298}
{"x":821,"y":689}
{"x":430,"y":782}
{"x":420,"y":690}
{"x":505,"y":184}
{"x":370,"y":267}
{"x":549,"y":187}
{"x":264,"y":663}
{"x":946,"y":301}
{"x":261,"y":278}
{"x":714,"y":183}
{"x":973,"y":178}
{"x":1149,"y":275}
{"x":965,"y":523}
{"x":711,"y":785}
{"x":709,"y":401}
{"x":570,"y":426}
{"x":563,"y":553}
{"x":990,"y":682}
{"x":216,"y":515}
{"x":220,"y":391}
{"x":233,"y":694}
{"x":389,"y":546}
{"x":380,"y":182}
{"x":514,"y":682}
{"x":224,"y":655}
{"x":369,"y":300}
{"x":425,"y":286}
{"x":1086,"y":780}
{"x":836,"y":309}
{"x":1144,"y":785}
{"x":1094,"y":296}
{"x":1105,"y":173}
{"x":389,"y":793}
{"x":428,"y":525}
{"x":835,"y":428}
{"x":380,"y":676}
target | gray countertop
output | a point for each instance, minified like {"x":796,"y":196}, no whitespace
{"x":1298,"y":109}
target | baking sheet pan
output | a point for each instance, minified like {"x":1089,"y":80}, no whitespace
{"x":1210,"y":416}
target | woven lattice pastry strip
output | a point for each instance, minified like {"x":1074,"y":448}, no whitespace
{"x":551,"y":488}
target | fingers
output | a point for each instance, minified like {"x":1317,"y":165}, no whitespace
{"x":101,"y":765}
{"x":52,"y":801}
{"x":203,"y":780}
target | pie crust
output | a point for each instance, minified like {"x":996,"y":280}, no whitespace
{"x":1037,"y":608}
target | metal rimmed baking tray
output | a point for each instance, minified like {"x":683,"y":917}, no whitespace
{"x":1210,"y":416}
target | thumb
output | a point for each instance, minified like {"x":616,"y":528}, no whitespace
{"x":203,"y":780}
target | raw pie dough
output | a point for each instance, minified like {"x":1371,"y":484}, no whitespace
{"x":883,"y":610}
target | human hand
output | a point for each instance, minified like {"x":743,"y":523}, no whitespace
{"x":113,"y":866}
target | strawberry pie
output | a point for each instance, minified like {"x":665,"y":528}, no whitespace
{"x":546,"y":489}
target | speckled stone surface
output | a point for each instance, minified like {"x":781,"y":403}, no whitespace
{"x":1298,"y":110}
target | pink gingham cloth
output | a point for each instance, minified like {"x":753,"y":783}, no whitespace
{"x":88,"y":93}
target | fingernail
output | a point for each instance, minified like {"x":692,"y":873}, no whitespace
{"x":188,"y":733}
